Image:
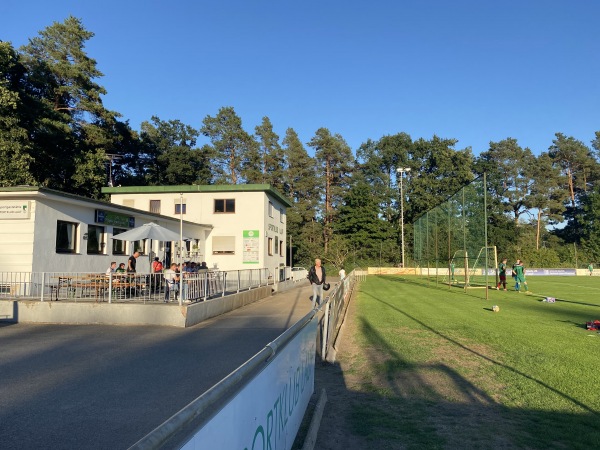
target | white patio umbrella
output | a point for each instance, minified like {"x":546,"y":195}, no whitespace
{"x":149,"y":230}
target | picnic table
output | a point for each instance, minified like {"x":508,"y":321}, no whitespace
{"x":89,"y":283}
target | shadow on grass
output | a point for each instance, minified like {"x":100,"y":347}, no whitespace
{"x":512,"y":369}
{"x":408,"y":407}
{"x":432,"y":284}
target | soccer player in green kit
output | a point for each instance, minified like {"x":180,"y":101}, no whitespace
{"x":519,"y":271}
{"x":502,"y":274}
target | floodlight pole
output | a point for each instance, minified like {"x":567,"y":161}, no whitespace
{"x":180,"y":228}
{"x":402,"y":171}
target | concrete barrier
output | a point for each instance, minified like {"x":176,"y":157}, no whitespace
{"x":7,"y":311}
{"x":127,"y":314}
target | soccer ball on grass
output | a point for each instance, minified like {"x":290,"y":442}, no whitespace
{"x":496,"y":308}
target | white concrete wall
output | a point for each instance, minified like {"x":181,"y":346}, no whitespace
{"x":16,"y":240}
{"x":29,"y":244}
{"x":251,"y":214}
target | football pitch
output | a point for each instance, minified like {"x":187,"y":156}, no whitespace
{"x":437,"y":368}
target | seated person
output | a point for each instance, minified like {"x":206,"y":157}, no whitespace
{"x":121,"y":268}
{"x":171,"y":281}
{"x":112,"y":268}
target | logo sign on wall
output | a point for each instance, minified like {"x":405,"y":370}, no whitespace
{"x":268,"y":412}
{"x":15,"y":209}
{"x":250,"y":246}
{"x":111,"y":218}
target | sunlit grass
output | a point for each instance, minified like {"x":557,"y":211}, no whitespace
{"x":531,"y":370}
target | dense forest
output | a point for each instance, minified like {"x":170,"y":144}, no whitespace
{"x":544,"y":207}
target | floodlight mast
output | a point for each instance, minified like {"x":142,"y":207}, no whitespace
{"x":401,"y":171}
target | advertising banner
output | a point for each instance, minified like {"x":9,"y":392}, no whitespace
{"x":251,"y":246}
{"x":554,"y":272}
{"x":116,"y":219}
{"x":268,"y":412}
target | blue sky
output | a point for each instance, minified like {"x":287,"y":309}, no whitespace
{"x":473,"y":70}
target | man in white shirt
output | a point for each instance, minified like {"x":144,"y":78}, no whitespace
{"x":112,"y":268}
{"x":171,"y":281}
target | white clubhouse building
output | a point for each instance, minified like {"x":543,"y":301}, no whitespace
{"x":230,"y":227}
{"x":248,"y":221}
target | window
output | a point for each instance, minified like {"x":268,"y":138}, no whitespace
{"x":155,"y":206}
{"x":270,"y":209}
{"x":139,"y":246}
{"x":225,"y":205}
{"x":95,"y":240}
{"x":180,"y":208}
{"x":66,"y":233}
{"x":118,"y":247}
{"x":280,"y":248}
{"x":276,"y":245}
{"x":270,"y":244}
{"x":223,"y":245}
{"x":281,"y":215}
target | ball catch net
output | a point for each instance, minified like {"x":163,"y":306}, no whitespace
{"x":451,"y":242}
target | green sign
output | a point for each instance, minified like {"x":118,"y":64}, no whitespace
{"x":116,"y":219}
{"x":251,"y":246}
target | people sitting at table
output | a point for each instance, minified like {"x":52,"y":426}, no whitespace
{"x":171,"y":281}
{"x":112,"y":268}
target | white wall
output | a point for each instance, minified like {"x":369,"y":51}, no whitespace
{"x":29,"y":244}
{"x":16,"y":240}
{"x":251,"y":214}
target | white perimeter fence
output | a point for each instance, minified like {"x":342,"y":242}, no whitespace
{"x":121,"y":287}
{"x":261,"y":404}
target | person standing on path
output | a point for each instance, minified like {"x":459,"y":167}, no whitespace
{"x":316,"y":276}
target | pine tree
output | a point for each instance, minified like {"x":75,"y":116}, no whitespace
{"x":335,"y":163}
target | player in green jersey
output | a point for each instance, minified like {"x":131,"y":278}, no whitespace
{"x":519,"y":271}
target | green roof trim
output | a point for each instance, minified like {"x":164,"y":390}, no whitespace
{"x":42,"y":191}
{"x":188,"y":188}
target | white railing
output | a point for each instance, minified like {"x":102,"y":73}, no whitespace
{"x":138,"y":287}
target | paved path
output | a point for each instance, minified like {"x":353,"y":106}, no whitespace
{"x":105,"y":387}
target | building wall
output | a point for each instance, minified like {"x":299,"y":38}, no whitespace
{"x":16,"y":236}
{"x":28,"y":244}
{"x":251,"y":217}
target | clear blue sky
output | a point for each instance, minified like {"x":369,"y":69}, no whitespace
{"x":473,"y":70}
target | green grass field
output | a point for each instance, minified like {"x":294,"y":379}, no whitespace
{"x":440,"y":369}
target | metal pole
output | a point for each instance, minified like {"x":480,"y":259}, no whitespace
{"x":402,"y":216}
{"x":180,"y":228}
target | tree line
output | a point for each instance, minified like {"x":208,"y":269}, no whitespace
{"x":55,"y":132}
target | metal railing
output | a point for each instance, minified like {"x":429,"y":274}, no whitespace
{"x":138,"y":287}
{"x":334,"y":308}
{"x":168,"y":435}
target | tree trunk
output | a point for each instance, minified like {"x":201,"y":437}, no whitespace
{"x":537,"y":238}
{"x":571,"y":188}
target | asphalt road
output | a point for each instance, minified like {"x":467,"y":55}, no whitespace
{"x":105,"y":387}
